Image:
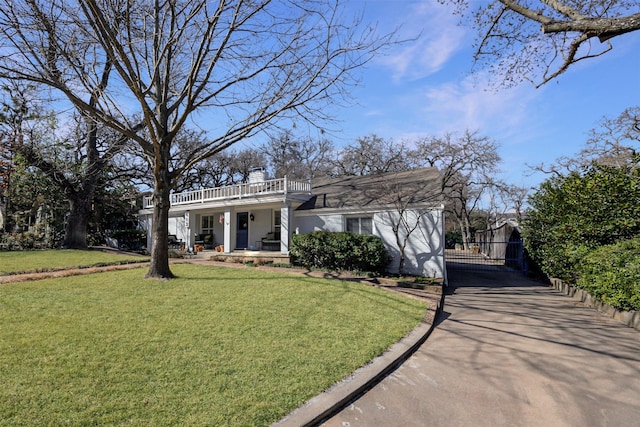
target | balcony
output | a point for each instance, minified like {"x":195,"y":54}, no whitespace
{"x":282,"y":186}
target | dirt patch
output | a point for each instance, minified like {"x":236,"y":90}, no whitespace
{"x":14,"y":278}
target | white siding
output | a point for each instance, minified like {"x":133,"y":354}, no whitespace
{"x":260,"y":226}
{"x":178,"y":227}
{"x":424,"y":253}
{"x":328,"y":222}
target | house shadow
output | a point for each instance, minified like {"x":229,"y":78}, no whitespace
{"x":424,"y":249}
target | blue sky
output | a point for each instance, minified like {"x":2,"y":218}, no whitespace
{"x":425,"y":88}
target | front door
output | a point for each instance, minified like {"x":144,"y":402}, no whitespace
{"x":242,"y":233}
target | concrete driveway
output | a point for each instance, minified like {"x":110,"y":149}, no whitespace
{"x":509,"y":351}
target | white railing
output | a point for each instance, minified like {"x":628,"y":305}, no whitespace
{"x":238,"y":191}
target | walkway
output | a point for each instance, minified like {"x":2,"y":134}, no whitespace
{"x":509,"y":351}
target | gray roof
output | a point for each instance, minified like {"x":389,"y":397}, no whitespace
{"x":417,"y":187}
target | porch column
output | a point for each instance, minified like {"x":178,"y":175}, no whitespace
{"x":227,"y":230}
{"x":148,"y":224}
{"x":285,"y":227}
{"x":188,"y":221}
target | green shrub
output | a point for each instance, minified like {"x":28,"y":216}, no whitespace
{"x":23,"y":241}
{"x":612,"y":274}
{"x":340,"y":251}
{"x":562,"y":261}
{"x":575,"y":214}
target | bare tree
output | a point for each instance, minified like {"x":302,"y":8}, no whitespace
{"x":537,"y":40}
{"x":227,"y":167}
{"x":251,"y":64}
{"x":297,"y":157}
{"x":501,"y":203}
{"x":614,"y":142}
{"x":513,"y":200}
{"x":78,"y":158}
{"x":74,"y":165}
{"x":75,"y":160}
{"x":371,"y":154}
{"x":468,"y":164}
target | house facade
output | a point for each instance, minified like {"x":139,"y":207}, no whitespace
{"x":404,"y":209}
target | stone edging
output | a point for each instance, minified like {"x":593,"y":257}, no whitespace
{"x":629,"y":318}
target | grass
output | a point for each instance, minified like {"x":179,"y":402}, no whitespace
{"x":215,"y":346}
{"x":14,"y":262}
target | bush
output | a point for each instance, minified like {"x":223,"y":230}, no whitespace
{"x":22,"y":241}
{"x":573,"y":215}
{"x":340,"y":251}
{"x":562,"y":261}
{"x":612,"y":274}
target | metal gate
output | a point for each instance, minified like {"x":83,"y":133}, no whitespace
{"x":505,"y":257}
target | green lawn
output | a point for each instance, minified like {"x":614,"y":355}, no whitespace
{"x":12,"y":262}
{"x":217,"y":346}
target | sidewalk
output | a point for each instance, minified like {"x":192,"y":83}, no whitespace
{"x":509,"y":351}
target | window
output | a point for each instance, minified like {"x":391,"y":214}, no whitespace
{"x":207,"y":224}
{"x":361,"y":225}
{"x":277,"y":222}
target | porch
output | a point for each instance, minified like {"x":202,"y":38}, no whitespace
{"x":282,"y":186}
{"x":255,"y":216}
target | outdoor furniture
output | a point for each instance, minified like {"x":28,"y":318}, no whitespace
{"x":271,"y":242}
{"x":205,"y":240}
{"x":174,"y":242}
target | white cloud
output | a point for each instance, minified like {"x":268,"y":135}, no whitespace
{"x":437,"y":39}
{"x":374,"y":113}
{"x":471,"y":104}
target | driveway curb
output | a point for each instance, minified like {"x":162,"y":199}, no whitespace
{"x":629,"y":318}
{"x":328,"y":403}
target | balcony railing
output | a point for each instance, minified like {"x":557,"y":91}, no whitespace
{"x":238,"y":191}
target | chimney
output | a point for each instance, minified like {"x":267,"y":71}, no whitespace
{"x":257,"y":175}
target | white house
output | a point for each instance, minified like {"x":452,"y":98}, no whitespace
{"x":404,"y":209}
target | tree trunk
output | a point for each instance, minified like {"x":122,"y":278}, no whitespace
{"x":159,"y":267}
{"x":400,"y":241}
{"x":401,"y":249}
{"x":402,"y":262}
{"x":467,"y":232}
{"x":75,"y":232}
{"x":464,"y":234}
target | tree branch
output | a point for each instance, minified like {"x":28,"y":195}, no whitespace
{"x":603,"y":28}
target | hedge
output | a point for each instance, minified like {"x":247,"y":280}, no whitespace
{"x":340,"y":251}
{"x":612,"y":274}
{"x":573,"y":215}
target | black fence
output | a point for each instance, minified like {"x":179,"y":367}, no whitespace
{"x":505,"y":257}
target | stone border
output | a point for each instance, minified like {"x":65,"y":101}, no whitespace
{"x":629,"y":318}
{"x":68,"y":272}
